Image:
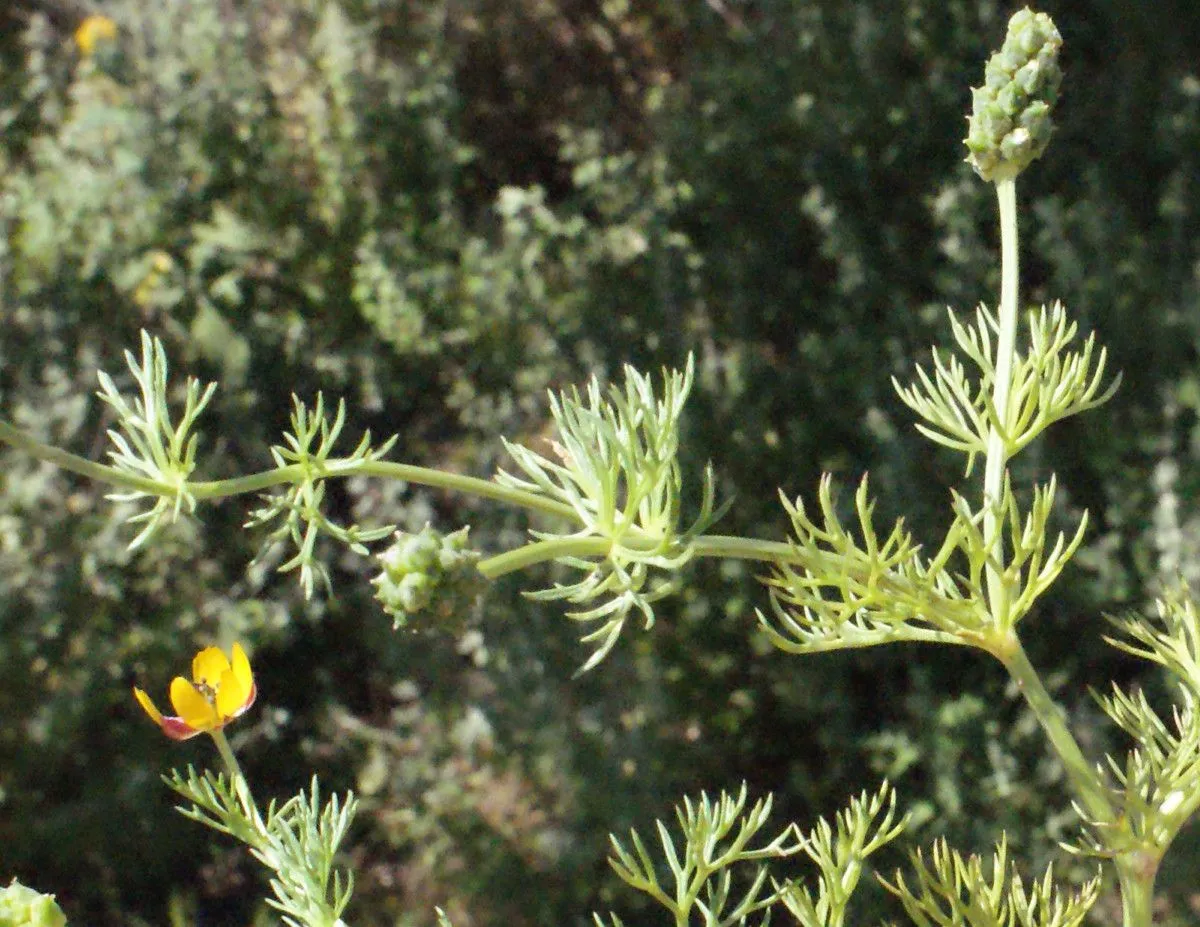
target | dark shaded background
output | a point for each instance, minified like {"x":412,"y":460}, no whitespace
{"x":438,"y":209}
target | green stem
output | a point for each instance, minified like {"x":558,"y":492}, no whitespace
{"x":457,"y":482}
{"x":81,"y":465}
{"x":424,"y":476}
{"x":257,"y":482}
{"x":262,"y":842}
{"x":998,"y":440}
{"x":714,"y":545}
{"x":237,"y":778}
{"x":1088,"y":787}
{"x":542,"y":552}
{"x":1136,"y":874}
{"x":1136,"y":868}
{"x":735,"y":548}
{"x":706,"y":546}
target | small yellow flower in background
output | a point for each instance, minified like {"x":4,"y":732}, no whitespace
{"x":161,"y":263}
{"x":94,"y":30}
{"x":220,"y":690}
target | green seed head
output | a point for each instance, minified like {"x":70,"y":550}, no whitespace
{"x":428,"y":572}
{"x":1010,"y":123}
{"x":23,"y":907}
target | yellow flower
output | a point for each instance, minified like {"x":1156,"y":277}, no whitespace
{"x":220,"y":690}
{"x":93,"y":31}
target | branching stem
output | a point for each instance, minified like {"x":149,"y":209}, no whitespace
{"x":1137,"y":880}
{"x":705,"y":546}
{"x":1007,"y":647}
{"x":278,"y":476}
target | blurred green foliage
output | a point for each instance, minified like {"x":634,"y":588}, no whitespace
{"x":439,"y":209}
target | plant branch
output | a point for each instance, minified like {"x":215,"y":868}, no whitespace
{"x":278,"y":476}
{"x":66,"y":460}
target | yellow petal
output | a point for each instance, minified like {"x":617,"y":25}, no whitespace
{"x":241,"y":668}
{"x":236,"y":690}
{"x":229,"y":699}
{"x":148,"y":705}
{"x":192,"y":707}
{"x":209,"y":666}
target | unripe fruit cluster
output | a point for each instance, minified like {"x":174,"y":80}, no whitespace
{"x":1010,"y":124}
{"x":419,"y":568}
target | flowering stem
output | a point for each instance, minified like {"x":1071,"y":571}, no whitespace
{"x":237,"y":778}
{"x":1137,"y":879}
{"x":998,"y":447}
{"x":259,"y":838}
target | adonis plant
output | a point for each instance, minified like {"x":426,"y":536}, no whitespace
{"x":609,"y":493}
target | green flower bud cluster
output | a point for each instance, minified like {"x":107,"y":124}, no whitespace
{"x":1010,"y":124}
{"x":428,"y":568}
{"x":23,"y":907}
